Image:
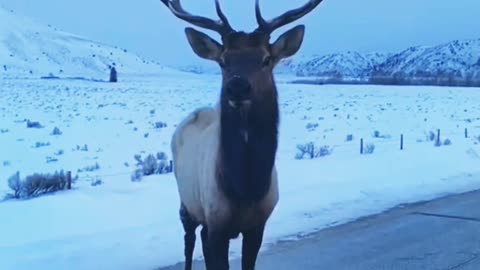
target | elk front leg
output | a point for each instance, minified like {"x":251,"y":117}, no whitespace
{"x":218,"y":245}
{"x":252,"y":240}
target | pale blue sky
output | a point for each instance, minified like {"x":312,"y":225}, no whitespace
{"x":147,"y":28}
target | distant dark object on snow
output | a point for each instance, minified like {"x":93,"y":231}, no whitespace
{"x":113,"y":74}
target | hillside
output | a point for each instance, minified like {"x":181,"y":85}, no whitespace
{"x":457,"y":60}
{"x":28,"y":49}
{"x":453,"y":63}
{"x":346,"y":65}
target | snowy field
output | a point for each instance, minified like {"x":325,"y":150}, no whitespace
{"x":134,"y":225}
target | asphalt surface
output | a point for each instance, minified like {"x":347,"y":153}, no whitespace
{"x":443,"y":234}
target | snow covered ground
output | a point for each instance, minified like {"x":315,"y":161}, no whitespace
{"x":134,"y":225}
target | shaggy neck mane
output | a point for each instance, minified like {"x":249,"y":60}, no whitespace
{"x":248,"y":147}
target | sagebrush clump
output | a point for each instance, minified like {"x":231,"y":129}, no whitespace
{"x":33,"y":124}
{"x":90,"y":168}
{"x":369,"y":149}
{"x":150,"y":165}
{"x":56,"y":132}
{"x":311,"y":151}
{"x":37,"y":184}
{"x":445,"y":142}
{"x":159,"y":125}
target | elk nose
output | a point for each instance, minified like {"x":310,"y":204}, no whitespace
{"x":238,"y":88}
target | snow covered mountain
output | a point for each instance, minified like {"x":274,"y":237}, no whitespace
{"x":28,"y":49}
{"x":346,"y":65}
{"x":453,"y":62}
{"x":457,"y":59}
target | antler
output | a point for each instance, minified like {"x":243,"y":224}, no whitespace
{"x":221,"y":26}
{"x":286,"y":18}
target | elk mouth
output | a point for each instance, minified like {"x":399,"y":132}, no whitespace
{"x":239,"y":104}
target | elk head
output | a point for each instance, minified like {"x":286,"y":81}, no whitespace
{"x":247,"y":60}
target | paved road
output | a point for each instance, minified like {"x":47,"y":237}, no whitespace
{"x":439,"y":235}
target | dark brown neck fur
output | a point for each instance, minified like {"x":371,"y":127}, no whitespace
{"x":246,"y":165}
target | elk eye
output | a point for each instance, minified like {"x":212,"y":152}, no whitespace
{"x":267,"y":61}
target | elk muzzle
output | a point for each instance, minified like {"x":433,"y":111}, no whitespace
{"x":239,"y":91}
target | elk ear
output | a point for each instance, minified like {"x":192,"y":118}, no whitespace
{"x":288,"y":43}
{"x":203,"y":45}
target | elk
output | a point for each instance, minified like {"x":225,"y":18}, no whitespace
{"x":225,"y":156}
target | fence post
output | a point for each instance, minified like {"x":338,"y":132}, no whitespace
{"x":466,"y":133}
{"x":69,"y":180}
{"x":171,"y":166}
{"x":361,"y":146}
{"x":401,"y":142}
{"x":438,"y":138}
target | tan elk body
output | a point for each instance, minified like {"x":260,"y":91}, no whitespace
{"x":196,"y":137}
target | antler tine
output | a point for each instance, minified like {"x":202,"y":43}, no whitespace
{"x":221,"y":26}
{"x":222,"y":16}
{"x":285,"y":18}
{"x":258,"y":14}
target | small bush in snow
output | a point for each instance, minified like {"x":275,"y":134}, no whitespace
{"x":310,"y":151}
{"x":311,"y":126}
{"x":369,"y":149}
{"x":159,"y":125}
{"x":37,"y":184}
{"x":6,"y":163}
{"x":161,"y":156}
{"x":163,"y":164}
{"x":51,"y":159}
{"x":431,"y":136}
{"x":324,"y":151}
{"x":96,"y":182}
{"x":3,"y":130}
{"x":31,"y":124}
{"x":137,"y":175}
{"x":83,"y":148}
{"x":138,"y":158}
{"x":15,"y":184}
{"x":378,"y":135}
{"x":152,"y":164}
{"x":56,"y":131}
{"x":41,"y":144}
{"x":91,"y":168}
{"x":349,"y":138}
{"x":307,"y":149}
{"x":446,"y":142}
